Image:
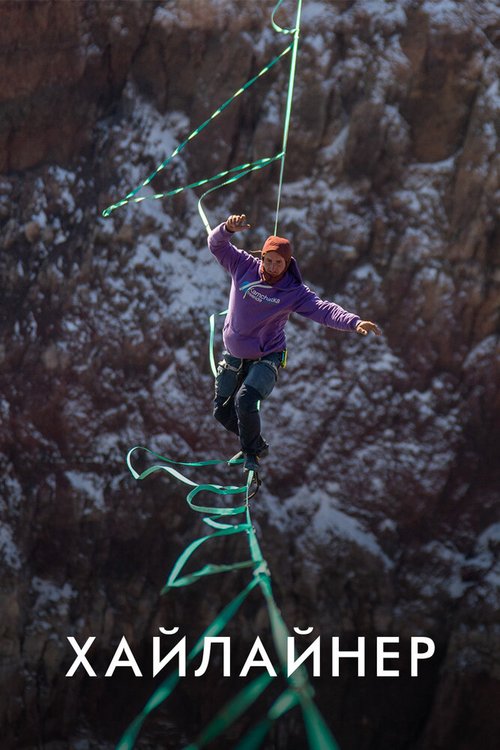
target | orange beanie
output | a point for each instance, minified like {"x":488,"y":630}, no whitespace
{"x":278,"y":245}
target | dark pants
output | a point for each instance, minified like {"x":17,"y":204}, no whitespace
{"x":239,"y":386}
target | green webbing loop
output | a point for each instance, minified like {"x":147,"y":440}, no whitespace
{"x":278,"y":28}
{"x":210,"y":462}
{"x":175,"y":581}
{"x":252,"y":167}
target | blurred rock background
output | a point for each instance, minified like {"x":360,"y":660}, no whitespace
{"x":380,"y":509}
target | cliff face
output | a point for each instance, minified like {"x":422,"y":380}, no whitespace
{"x":63,"y":64}
{"x":379,"y":512}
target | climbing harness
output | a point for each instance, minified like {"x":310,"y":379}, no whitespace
{"x":232,"y":519}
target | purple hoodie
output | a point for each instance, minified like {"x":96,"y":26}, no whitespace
{"x":258,"y":312}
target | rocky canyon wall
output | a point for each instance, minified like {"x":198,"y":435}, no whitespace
{"x":380,"y":505}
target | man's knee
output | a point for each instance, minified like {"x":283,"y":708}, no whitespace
{"x":263,"y":375}
{"x":247,"y":400}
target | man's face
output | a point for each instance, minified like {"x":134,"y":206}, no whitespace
{"x":274,"y":264}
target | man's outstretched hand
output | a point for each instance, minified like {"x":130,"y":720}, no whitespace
{"x":365,"y":326}
{"x":237,"y":222}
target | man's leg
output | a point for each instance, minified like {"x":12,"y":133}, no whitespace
{"x":257,"y":386}
{"x":246,"y":407}
{"x":229,"y":374}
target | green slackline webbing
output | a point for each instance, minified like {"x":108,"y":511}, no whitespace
{"x":289,"y":100}
{"x":257,"y":734}
{"x":286,"y":126}
{"x":165,"y":689}
{"x":241,"y":170}
{"x":299,"y":691}
{"x":276,"y":26}
{"x":234,"y":708}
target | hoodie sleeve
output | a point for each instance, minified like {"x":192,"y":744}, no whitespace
{"x":226,"y":253}
{"x":327,"y":313}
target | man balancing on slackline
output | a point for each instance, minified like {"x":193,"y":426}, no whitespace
{"x":263,"y":294}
